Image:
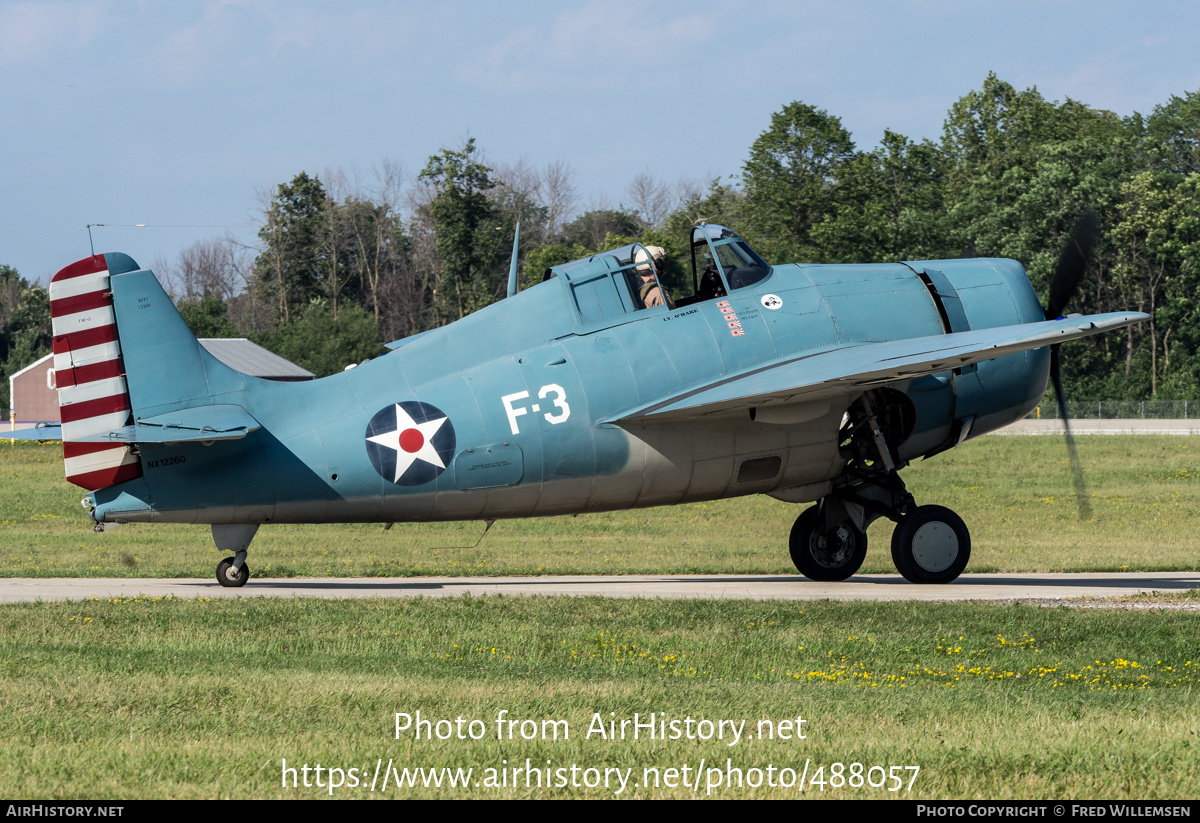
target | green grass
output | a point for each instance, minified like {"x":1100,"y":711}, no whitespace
{"x":203,"y":698}
{"x":1013,"y":492}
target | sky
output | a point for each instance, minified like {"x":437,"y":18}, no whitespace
{"x":183,"y":115}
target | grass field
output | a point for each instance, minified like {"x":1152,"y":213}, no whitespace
{"x":207,"y":698}
{"x":1014,"y":493}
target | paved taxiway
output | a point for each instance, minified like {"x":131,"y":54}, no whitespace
{"x":1049,"y":588}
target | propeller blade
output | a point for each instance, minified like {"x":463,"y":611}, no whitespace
{"x":1068,"y":273}
{"x":1081,"y":495}
{"x":1072,"y":263}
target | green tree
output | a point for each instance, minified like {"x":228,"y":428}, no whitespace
{"x":461,"y":213}
{"x":26,"y":334}
{"x":295,"y":257}
{"x":791,"y":178}
{"x":540,"y":258}
{"x":207,"y":317}
{"x":590,"y":228}
{"x":721,"y":204}
{"x":996,"y":124}
{"x":889,"y":205}
{"x":323,"y":343}
{"x":1157,"y":270}
{"x":12,"y":287}
{"x":589,"y":233}
{"x":1173,"y":134}
{"x":1023,"y":170}
{"x":377,"y":250}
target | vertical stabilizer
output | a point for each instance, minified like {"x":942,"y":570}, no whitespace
{"x":89,"y":372}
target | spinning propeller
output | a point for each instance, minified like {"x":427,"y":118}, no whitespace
{"x":1068,"y":273}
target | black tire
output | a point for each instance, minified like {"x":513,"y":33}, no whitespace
{"x":931,"y":544}
{"x":230,"y":579}
{"x":812,"y":555}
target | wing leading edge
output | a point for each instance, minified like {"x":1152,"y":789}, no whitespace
{"x":835,"y":371}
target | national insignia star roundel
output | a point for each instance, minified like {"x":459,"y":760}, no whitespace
{"x":410,"y":442}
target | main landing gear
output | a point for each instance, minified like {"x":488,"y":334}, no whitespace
{"x":930,"y":544}
{"x":232,"y":572}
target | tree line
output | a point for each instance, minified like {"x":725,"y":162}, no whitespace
{"x":341,"y":265}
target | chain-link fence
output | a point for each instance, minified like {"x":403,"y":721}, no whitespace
{"x":1121,"y":410}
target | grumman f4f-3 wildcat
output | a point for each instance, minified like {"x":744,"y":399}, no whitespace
{"x":587,"y":392}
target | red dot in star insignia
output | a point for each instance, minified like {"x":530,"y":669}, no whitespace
{"x":411,"y":440}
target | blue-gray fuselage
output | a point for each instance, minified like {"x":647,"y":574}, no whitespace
{"x":517,"y":410}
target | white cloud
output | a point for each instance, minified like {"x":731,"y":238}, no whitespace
{"x":36,"y":34}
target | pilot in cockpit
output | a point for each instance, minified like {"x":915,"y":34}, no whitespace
{"x":652,"y":259}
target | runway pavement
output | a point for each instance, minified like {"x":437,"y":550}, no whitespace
{"x":1048,"y":426}
{"x":1044,"y":588}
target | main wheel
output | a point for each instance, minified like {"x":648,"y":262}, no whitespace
{"x":230,"y":577}
{"x":826,"y":556}
{"x":931,"y":544}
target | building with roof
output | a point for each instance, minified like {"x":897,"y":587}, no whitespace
{"x":34,"y":385}
{"x":252,"y":359}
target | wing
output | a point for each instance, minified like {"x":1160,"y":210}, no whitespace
{"x":837,"y":371}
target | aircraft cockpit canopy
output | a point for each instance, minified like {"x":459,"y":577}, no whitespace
{"x":610,"y":285}
{"x":721,"y":259}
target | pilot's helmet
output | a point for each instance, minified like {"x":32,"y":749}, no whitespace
{"x":656,"y":253}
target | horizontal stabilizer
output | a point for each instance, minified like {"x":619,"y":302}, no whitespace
{"x":848,"y":368}
{"x":202,"y":423}
{"x":41,"y":432}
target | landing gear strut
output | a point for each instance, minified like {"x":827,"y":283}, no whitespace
{"x":930,"y":544}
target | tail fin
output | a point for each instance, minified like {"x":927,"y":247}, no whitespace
{"x":93,"y":395}
{"x":130,"y":373}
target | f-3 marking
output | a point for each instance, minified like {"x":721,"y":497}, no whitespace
{"x":559,"y":400}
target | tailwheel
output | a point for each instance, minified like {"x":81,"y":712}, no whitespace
{"x":931,"y":544}
{"x":826,"y":555}
{"x":231,"y":577}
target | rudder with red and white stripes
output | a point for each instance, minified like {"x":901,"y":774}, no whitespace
{"x":93,"y":396}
